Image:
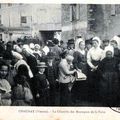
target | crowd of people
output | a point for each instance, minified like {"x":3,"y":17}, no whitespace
{"x":59,"y":75}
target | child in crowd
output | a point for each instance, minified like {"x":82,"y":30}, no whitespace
{"x":5,"y":88}
{"x":41,"y":89}
{"x":37,"y":52}
{"x":21,"y":94}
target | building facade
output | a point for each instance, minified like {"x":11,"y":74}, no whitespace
{"x":41,"y":20}
{"x":48,"y":20}
{"x":74,"y":20}
{"x":90,"y":20}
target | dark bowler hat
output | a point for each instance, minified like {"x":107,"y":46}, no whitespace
{"x":55,"y":41}
{"x":105,"y":40}
{"x":50,"y":43}
{"x":78,"y":36}
{"x":88,"y":41}
{"x":70,"y":41}
{"x":41,"y":64}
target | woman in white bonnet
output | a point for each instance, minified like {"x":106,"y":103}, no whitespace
{"x":80,"y":62}
{"x":109,"y":81}
{"x":80,"y":57}
{"x":37,"y":52}
{"x":78,"y":40}
{"x":94,"y":56}
{"x":115,"y":42}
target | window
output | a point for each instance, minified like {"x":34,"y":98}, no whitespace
{"x":74,"y":12}
{"x":115,"y":9}
{"x":9,"y":4}
{"x":21,"y":4}
{"x":23,"y":19}
{"x":92,"y":9}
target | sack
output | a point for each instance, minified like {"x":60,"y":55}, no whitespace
{"x":80,"y":76}
{"x":28,"y":95}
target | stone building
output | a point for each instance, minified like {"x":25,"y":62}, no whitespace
{"x":41,"y":20}
{"x":89,"y":20}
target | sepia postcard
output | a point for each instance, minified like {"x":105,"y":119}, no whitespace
{"x":59,"y":60}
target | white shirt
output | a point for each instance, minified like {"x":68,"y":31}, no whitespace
{"x":64,"y":72}
{"x":17,"y":55}
{"x":46,"y":49}
{"x":82,"y":52}
{"x":94,"y":54}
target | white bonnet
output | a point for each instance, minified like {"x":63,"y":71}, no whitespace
{"x":77,"y":43}
{"x":109,"y":48}
{"x":117,"y":39}
{"x":97,"y":39}
{"x":37,"y":45}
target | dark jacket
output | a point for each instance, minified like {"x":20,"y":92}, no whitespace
{"x":39,"y":84}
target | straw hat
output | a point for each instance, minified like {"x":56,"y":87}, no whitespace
{"x":109,"y":48}
{"x":41,"y":64}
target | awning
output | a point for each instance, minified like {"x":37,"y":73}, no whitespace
{"x":18,"y":28}
{"x":3,"y":28}
{"x":49,"y":27}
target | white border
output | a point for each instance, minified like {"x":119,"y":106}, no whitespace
{"x":13,"y":113}
{"x":63,"y":1}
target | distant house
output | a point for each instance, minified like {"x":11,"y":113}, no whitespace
{"x":36,"y":20}
{"x":89,"y":20}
